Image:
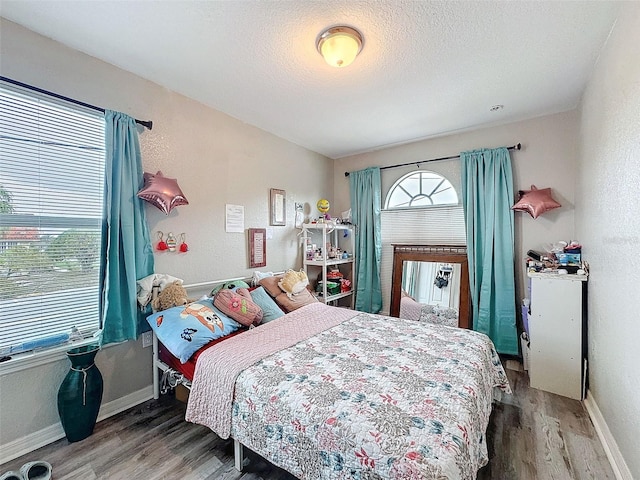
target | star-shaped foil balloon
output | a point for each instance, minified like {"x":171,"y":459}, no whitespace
{"x":162,"y":192}
{"x":535,"y":201}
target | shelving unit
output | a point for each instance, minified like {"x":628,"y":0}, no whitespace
{"x":558,"y":333}
{"x":322,"y":235}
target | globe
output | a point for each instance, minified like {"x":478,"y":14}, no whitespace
{"x":323,"y":205}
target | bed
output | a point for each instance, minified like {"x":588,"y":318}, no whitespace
{"x":326,"y":392}
{"x":422,"y":312}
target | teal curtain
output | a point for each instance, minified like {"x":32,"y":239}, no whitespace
{"x":126,"y":240}
{"x":487,"y":192}
{"x":364,"y":186}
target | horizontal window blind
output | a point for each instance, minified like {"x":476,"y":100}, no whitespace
{"x":438,"y":225}
{"x":52,"y":164}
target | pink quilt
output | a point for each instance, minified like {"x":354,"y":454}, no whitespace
{"x":213,"y":383}
{"x":367,"y":397}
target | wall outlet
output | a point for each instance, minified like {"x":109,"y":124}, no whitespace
{"x":147,"y":339}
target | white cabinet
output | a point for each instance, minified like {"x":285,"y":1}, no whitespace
{"x":327,"y":247}
{"x":557,"y":329}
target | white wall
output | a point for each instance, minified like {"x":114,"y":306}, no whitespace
{"x":219,"y":160}
{"x":608,"y":221}
{"x":547,"y":159}
{"x":216,"y":159}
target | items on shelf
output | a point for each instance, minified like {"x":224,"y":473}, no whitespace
{"x":559,"y":258}
{"x":323,"y":207}
{"x":333,"y":288}
{"x":326,"y":253}
{"x":334,"y":274}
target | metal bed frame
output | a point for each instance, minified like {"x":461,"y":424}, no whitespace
{"x":171,"y":378}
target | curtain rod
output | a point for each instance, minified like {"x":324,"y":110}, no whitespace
{"x":145,"y":123}
{"x":514,"y":147}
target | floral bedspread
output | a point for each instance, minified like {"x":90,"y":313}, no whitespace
{"x":422,"y":312}
{"x":373,"y":398}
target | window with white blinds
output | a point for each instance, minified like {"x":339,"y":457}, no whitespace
{"x":52,"y":164}
{"x":426,"y":213}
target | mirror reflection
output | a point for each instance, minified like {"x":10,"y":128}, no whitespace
{"x":432,"y":283}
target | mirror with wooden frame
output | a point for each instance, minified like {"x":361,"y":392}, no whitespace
{"x":432,"y":274}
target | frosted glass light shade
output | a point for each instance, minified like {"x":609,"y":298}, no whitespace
{"x":340,"y":45}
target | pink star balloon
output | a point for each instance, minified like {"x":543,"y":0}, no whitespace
{"x":162,"y":192}
{"x":535,"y":201}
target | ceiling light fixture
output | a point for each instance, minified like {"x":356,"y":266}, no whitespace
{"x":339,"y":45}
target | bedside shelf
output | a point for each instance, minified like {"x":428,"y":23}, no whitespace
{"x":340,"y":236}
{"x":330,"y":262}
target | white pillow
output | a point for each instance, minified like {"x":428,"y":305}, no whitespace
{"x":257,"y":276}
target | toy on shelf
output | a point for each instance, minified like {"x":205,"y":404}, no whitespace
{"x":172,"y":295}
{"x":323,"y":207}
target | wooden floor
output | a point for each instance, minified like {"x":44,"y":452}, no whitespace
{"x":532,"y":435}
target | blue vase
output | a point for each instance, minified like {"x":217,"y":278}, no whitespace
{"x":80,"y":394}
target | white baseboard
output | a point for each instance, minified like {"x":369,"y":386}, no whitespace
{"x":35,"y":440}
{"x":123,"y":403}
{"x":619,"y":466}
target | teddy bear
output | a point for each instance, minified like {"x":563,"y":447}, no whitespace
{"x":293,"y":282}
{"x":172,"y":295}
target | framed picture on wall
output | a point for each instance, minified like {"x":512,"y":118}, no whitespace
{"x":257,"y":247}
{"x":277,"y":210}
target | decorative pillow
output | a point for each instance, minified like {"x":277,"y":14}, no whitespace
{"x":405,"y":294}
{"x":233,"y":285}
{"x":184,"y":330}
{"x":410,"y":309}
{"x":305,"y":297}
{"x":257,"y":276}
{"x":270,"y":284}
{"x":270,"y":309}
{"x":238,"y":306}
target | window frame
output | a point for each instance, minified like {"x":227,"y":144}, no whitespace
{"x":398,"y":184}
{"x":46,"y":223}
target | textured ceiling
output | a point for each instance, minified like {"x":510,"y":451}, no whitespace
{"x":427,"y":68}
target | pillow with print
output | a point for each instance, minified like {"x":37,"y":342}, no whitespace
{"x":184,"y":330}
{"x":238,"y":305}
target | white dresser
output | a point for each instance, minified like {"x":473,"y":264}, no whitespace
{"x":558,"y":332}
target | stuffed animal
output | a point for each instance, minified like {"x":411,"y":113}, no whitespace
{"x":172,"y":295}
{"x":232,"y":285}
{"x":293,"y":282}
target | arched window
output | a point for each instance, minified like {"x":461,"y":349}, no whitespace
{"x":421,"y":189}
{"x":408,"y":218}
